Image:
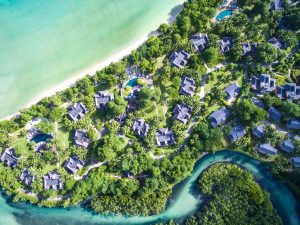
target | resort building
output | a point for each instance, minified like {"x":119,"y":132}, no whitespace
{"x":265,"y":83}
{"x":53,"y":181}
{"x":200,"y":42}
{"x":277,"y":43}
{"x":226,"y":44}
{"x":140,"y":127}
{"x":236,"y":133}
{"x":165,"y":137}
{"x":219,"y":117}
{"x":293,"y":124}
{"x":289,"y":91}
{"x":274,"y":114}
{"x":295,"y":161}
{"x":188,"y":86}
{"x":232,"y":91}
{"x":248,"y":48}
{"x":259,"y":131}
{"x":259,"y":103}
{"x":81,"y":139}
{"x":287,"y":146}
{"x":77,"y":111}
{"x":102,"y":98}
{"x":26,"y":178}
{"x":73,"y":164}
{"x":8,"y":158}
{"x":277,"y":5}
{"x":182,"y":113}
{"x":266,"y":149}
{"x":179,"y":59}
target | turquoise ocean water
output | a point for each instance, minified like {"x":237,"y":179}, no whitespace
{"x":43,"y":43}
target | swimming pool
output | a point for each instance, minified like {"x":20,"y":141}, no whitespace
{"x":224,"y":14}
{"x":41,"y":138}
{"x":132,"y":82}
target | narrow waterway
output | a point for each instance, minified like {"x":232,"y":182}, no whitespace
{"x":183,"y":202}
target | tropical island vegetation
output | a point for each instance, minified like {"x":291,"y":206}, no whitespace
{"x":120,"y":140}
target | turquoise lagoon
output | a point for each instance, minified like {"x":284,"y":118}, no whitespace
{"x":44,"y":43}
{"x":184,"y":201}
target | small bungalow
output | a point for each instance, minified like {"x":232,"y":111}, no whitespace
{"x":277,"y":43}
{"x":77,"y":111}
{"x":182,"y":113}
{"x":287,"y":146}
{"x":259,"y":103}
{"x":219,"y":117}
{"x":232,"y":91}
{"x":248,"y":48}
{"x":8,"y":158}
{"x":274,"y":114}
{"x":102,"y":98}
{"x":179,"y":59}
{"x":295,"y":161}
{"x":226,"y":44}
{"x":200,"y":42}
{"x":140,"y":127}
{"x":259,"y":131}
{"x":293,"y":124}
{"x":188,"y":86}
{"x":266,"y":149}
{"x":236,"y":133}
{"x":165,"y":137}
{"x":81,"y":139}
{"x":53,"y":181}
{"x":289,"y":91}
{"x":26,"y":178}
{"x":73,"y":164}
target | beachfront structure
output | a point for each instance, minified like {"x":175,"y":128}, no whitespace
{"x":26,"y":178}
{"x":219,"y":116}
{"x":248,"y":48}
{"x":73,"y":164}
{"x":277,"y":43}
{"x":77,"y":111}
{"x":52,"y":181}
{"x":140,"y":127}
{"x":182,"y":113}
{"x":81,"y":139}
{"x":226,"y":44}
{"x":102,"y":98}
{"x":289,"y":91}
{"x":293,"y":124}
{"x":165,"y":137}
{"x":200,"y":42}
{"x":274,"y":114}
{"x":264,"y":83}
{"x":179,"y":59}
{"x":8,"y":158}
{"x":259,"y":131}
{"x":266,"y":149}
{"x":188,"y":86}
{"x":295,"y":161}
{"x":287,"y":146}
{"x":236,"y":133}
{"x":232,"y":91}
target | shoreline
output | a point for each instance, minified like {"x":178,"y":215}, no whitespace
{"x":114,"y":57}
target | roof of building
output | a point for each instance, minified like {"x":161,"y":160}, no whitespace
{"x":248,"y":48}
{"x":267,"y":83}
{"x":274,"y":114}
{"x":293,"y":124}
{"x":73,"y":164}
{"x":295,"y":161}
{"x":287,"y":146}
{"x":53,"y":181}
{"x":26,"y":177}
{"x":188,"y":86}
{"x":232,"y":91}
{"x":236,"y":133}
{"x":200,"y":41}
{"x":81,"y":138}
{"x":259,"y":103}
{"x":226,"y":44}
{"x":219,"y":116}
{"x":259,"y":131}
{"x":278,"y":4}
{"x":277,"y":43}
{"x":266,"y":149}
{"x":8,"y":158}
{"x":140,"y":127}
{"x":179,"y":59}
{"x":77,"y":111}
{"x":165,"y":137}
{"x":182,"y":113}
{"x":102,"y":98}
